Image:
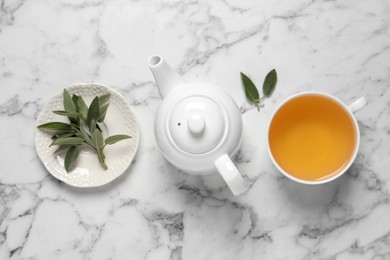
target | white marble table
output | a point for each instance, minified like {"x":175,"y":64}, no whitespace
{"x":155,"y":211}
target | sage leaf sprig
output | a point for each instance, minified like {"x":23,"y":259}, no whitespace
{"x":251,"y":92}
{"x":270,"y":83}
{"x":82,"y":129}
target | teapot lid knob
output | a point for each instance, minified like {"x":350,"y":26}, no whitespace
{"x":196,"y":124}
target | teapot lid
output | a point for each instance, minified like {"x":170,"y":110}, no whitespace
{"x":197,"y":124}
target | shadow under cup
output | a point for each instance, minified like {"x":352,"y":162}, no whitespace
{"x":313,"y":138}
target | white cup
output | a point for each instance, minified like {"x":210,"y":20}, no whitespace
{"x":352,"y":108}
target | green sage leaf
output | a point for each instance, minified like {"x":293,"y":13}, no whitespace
{"x":251,"y":92}
{"x":101,"y":158}
{"x":83,"y":109}
{"x":93,"y":112}
{"x":68,"y":102}
{"x":93,"y":126}
{"x":61,"y":133}
{"x":97,"y":139}
{"x":75,"y":99}
{"x":104,"y":99}
{"x":270,"y":83}
{"x":103,"y":112}
{"x":54,"y":126}
{"x":85,"y":134}
{"x":64,"y":134}
{"x":71,"y":157}
{"x":68,"y":114}
{"x":115,"y":138}
{"x":61,"y":148}
{"x":67,"y":141}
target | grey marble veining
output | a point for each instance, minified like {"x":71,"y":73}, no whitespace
{"x":154,"y":211}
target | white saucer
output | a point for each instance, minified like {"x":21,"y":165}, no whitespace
{"x":87,"y":172}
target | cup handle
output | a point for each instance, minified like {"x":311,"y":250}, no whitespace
{"x":230,"y":174}
{"x":358,"y":104}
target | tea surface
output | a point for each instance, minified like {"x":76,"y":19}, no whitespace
{"x":312,"y":137}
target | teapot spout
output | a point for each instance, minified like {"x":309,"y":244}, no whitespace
{"x":166,"y":78}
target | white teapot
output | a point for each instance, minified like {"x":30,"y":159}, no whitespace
{"x":198,"y":127}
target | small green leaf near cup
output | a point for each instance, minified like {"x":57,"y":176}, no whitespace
{"x":270,"y":83}
{"x":251,"y":92}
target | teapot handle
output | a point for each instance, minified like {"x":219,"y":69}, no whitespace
{"x":230,"y":174}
